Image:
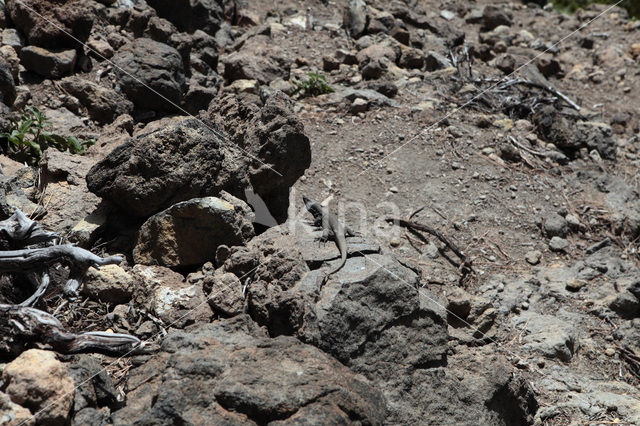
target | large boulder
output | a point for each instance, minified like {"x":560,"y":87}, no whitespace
{"x":183,"y":160}
{"x":191,"y":15}
{"x":38,"y":381}
{"x":189,"y":233}
{"x":103,"y":104}
{"x":151,"y":74}
{"x":260,"y":58}
{"x":54,"y":63}
{"x":275,"y":140}
{"x":372,"y":317}
{"x":231,"y":372}
{"x":48,"y":23}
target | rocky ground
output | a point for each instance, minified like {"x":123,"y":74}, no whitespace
{"x":515,"y":127}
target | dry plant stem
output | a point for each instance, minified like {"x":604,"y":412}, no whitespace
{"x":552,"y":90}
{"x":77,"y":258}
{"x":20,"y":325}
{"x":466,"y":263}
{"x":20,"y":229}
{"x":41,"y":287}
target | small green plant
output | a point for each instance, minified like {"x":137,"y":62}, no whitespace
{"x":315,"y":84}
{"x":28,"y":138}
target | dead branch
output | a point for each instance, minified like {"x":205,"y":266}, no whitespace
{"x":21,"y":326}
{"x":465,"y":265}
{"x":19,"y":230}
{"x":78,"y":259}
{"x":549,"y":89}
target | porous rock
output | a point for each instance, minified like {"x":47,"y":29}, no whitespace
{"x":151,"y":74}
{"x":103,"y":104}
{"x":250,"y":379}
{"x":38,"y":381}
{"x":189,"y":232}
{"x":182,"y":160}
{"x":48,"y":23}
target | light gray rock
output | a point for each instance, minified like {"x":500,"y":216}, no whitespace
{"x":547,"y":335}
{"x":558,"y":244}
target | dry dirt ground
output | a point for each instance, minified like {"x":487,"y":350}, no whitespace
{"x":435,"y":150}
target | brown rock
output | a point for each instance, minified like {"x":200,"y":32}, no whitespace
{"x":259,"y":59}
{"x":189,"y":232}
{"x":37,"y":380}
{"x":47,"y":23}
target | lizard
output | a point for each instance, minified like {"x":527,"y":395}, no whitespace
{"x":331,"y":227}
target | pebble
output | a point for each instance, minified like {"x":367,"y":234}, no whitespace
{"x":574,"y":285}
{"x":558,"y":244}
{"x":610,"y":351}
{"x":447,"y":14}
{"x":533,"y":257}
{"x":393,"y":189}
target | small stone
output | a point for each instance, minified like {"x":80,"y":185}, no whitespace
{"x":558,"y":244}
{"x":396,"y":242}
{"x":359,"y":105}
{"x":574,"y":285}
{"x":393,"y":189}
{"x":573,"y":221}
{"x":610,"y":351}
{"x":533,"y":257}
{"x":555,"y":226}
{"x":447,"y":14}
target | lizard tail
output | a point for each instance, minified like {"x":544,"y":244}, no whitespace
{"x":343,"y":260}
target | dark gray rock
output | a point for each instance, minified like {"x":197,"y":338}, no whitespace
{"x":274,"y":138}
{"x":53,"y":63}
{"x":94,"y":387}
{"x":103,"y":105}
{"x":48,"y":23}
{"x":145,"y":64}
{"x":553,"y":127}
{"x":183,"y":160}
{"x":494,"y":16}
{"x":189,"y":233}
{"x":230,"y":372}
{"x":555,"y":226}
{"x":372,"y":318}
{"x":188,"y":16}
{"x":598,"y":136}
{"x":7,"y":84}
{"x":435,"y":61}
{"x":259,"y":59}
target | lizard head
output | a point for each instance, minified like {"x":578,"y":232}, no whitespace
{"x":313,"y":206}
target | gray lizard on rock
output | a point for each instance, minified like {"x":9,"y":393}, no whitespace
{"x":331,"y":227}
